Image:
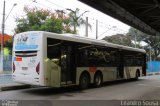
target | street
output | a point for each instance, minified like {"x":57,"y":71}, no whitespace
{"x":146,"y":88}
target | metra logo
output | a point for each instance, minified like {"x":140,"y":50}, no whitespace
{"x":26,"y":42}
{"x":22,"y":39}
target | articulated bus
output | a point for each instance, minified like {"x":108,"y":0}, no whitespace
{"x":58,"y":60}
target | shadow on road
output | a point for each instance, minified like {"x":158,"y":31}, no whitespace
{"x":46,"y":91}
{"x":109,"y":83}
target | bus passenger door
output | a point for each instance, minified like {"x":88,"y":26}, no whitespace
{"x":67,"y":65}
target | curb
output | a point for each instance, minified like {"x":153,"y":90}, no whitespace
{"x":5,"y":74}
{"x":153,"y":73}
{"x":14,"y":87}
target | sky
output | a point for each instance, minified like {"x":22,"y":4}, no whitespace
{"x":106,"y":24}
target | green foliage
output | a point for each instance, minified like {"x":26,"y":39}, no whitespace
{"x":152,"y":42}
{"x":9,"y":43}
{"x":76,"y":19}
{"x":52,"y":25}
{"x":45,"y":20}
{"x":134,"y":32}
{"x":39,"y":20}
{"x":22,"y":25}
{"x":67,"y":25}
{"x":7,"y":51}
{"x":8,"y":46}
{"x":119,"y":39}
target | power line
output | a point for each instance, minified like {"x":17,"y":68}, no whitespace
{"x":31,"y":2}
{"x":34,"y":1}
{"x":48,"y":6}
{"x":56,"y":4}
{"x":10,"y":11}
{"x":41,"y":4}
{"x":104,"y":25}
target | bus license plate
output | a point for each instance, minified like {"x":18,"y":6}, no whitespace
{"x":24,"y":68}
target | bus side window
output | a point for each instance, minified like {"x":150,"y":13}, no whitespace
{"x":53,"y":50}
{"x":83,"y":57}
{"x":83,"y":53}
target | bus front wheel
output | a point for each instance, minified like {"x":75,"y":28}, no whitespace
{"x":84,"y":81}
{"x":137,"y":75}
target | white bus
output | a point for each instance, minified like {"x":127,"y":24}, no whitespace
{"x":57,"y":60}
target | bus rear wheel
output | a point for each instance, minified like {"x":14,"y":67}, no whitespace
{"x":84,"y":81}
{"x":137,"y":75}
{"x":98,"y":80}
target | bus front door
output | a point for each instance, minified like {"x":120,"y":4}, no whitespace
{"x":67,"y":65}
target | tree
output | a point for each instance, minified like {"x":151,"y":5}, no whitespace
{"x":66,"y":21}
{"x":45,"y":20}
{"x":9,"y":43}
{"x":52,"y":25}
{"x":152,"y":42}
{"x":76,"y":19}
{"x":119,"y":39}
{"x":136,"y":36}
{"x":39,"y":19}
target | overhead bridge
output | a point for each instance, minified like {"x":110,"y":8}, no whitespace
{"x":141,"y":14}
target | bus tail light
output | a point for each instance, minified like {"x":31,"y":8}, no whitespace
{"x":38,"y":68}
{"x":14,"y":67}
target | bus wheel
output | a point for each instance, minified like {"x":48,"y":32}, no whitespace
{"x":98,"y":80}
{"x":84,"y":81}
{"x":137,"y":75}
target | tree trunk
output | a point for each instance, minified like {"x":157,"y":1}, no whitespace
{"x":74,"y":30}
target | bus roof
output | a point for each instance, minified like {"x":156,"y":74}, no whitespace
{"x":76,"y":38}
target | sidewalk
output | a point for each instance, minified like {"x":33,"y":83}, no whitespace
{"x":6,"y":83}
{"x":153,"y":73}
{"x":6,"y":79}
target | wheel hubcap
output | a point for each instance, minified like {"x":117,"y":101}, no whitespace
{"x":98,"y":80}
{"x":84,"y":81}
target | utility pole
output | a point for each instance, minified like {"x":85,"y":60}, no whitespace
{"x":2,"y":36}
{"x":86,"y":26}
{"x":96,"y":29}
{"x":60,"y":13}
{"x":150,"y":57}
{"x":135,"y":40}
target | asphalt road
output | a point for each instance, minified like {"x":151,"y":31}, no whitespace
{"x":146,"y":88}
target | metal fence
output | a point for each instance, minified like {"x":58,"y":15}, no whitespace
{"x":153,"y":66}
{"x":7,"y":63}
